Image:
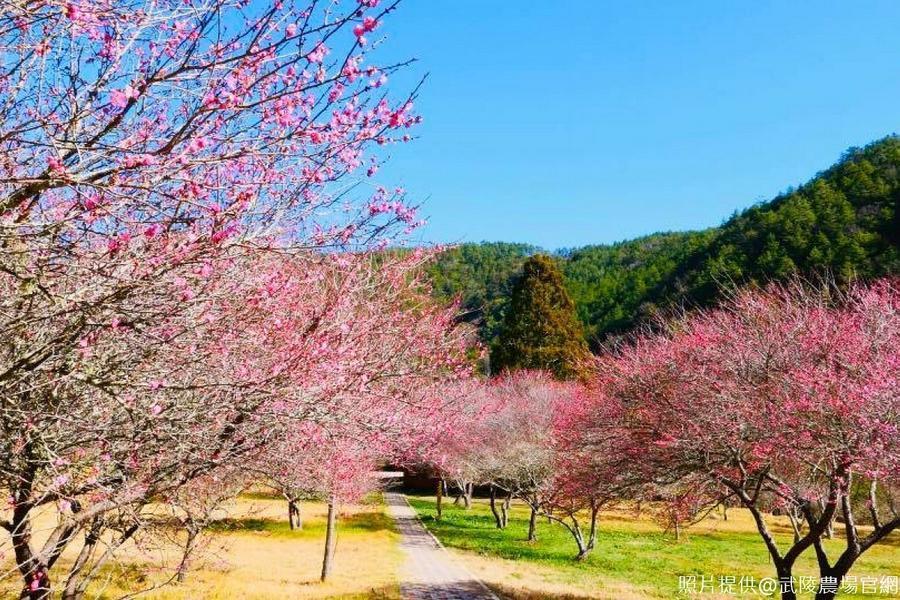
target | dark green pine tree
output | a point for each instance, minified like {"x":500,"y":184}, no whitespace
{"x":540,"y":329}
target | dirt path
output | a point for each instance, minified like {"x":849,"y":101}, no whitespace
{"x":429,"y":572}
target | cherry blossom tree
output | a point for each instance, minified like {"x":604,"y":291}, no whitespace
{"x":155,"y":156}
{"x":347,"y":341}
{"x":785,"y":398}
{"x":381,"y":397}
{"x":523,"y":437}
{"x":504,"y":440}
{"x":194,"y":507}
{"x":151,"y":150}
{"x":457,"y":457}
{"x":593,"y":465}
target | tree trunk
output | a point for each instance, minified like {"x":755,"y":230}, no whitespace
{"x":592,"y":536}
{"x":532,"y":525}
{"x":294,"y":515}
{"x":497,"y":518}
{"x":583,"y":549}
{"x":786,"y":583}
{"x":504,"y":510}
{"x":78,"y":580}
{"x":467,"y":495}
{"x":34,"y":573}
{"x":829,"y":529}
{"x":329,"y":538}
{"x":439,"y":500}
{"x":795,"y":526}
{"x":37,"y":585}
{"x":75,"y":584}
{"x":184,"y":565}
{"x":460,"y":493}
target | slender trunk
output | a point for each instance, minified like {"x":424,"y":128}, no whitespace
{"x":571,"y":524}
{"x":75,"y":584}
{"x":677,"y":530}
{"x":497,"y":518}
{"x":467,"y":496}
{"x":829,"y":530}
{"x":583,"y":549}
{"x":504,"y":510}
{"x":795,"y":526}
{"x":439,"y":500}
{"x":532,"y":525}
{"x":294,"y":515}
{"x":725,"y":512}
{"x":329,"y":539}
{"x":78,"y":580}
{"x":184,"y":565}
{"x":592,"y":536}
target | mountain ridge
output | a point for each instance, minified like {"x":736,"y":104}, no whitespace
{"x":843,"y":221}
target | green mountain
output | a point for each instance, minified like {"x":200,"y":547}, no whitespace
{"x":844,"y":222}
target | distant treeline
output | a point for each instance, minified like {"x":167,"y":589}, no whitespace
{"x":843,"y":223}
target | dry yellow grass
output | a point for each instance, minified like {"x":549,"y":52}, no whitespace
{"x":257,"y":557}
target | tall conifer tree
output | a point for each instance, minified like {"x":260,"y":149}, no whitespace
{"x":540,"y":329}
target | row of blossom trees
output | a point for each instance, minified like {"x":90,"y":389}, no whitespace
{"x":781,"y":401}
{"x":187,"y":288}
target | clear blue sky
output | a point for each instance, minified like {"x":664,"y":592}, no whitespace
{"x":563,"y":123}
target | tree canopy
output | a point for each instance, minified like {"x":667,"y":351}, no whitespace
{"x":540,"y":329}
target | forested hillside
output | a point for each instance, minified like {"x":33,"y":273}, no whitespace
{"x":843,"y":222}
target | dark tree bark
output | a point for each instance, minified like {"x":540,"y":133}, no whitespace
{"x":498,"y":519}
{"x":439,"y":500}
{"x":532,"y":525}
{"x":294,"y":515}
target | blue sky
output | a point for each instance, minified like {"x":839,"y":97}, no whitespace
{"x":564,"y":123}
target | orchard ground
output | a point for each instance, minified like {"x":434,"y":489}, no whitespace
{"x":253,"y":554}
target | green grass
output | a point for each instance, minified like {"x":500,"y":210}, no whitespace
{"x":632,"y":550}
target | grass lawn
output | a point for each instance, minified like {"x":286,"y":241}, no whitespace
{"x":252,"y":554}
{"x":633,"y":557}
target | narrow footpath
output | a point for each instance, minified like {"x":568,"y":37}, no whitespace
{"x":428,"y":571}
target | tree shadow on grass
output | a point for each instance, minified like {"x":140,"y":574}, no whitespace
{"x":235,"y":525}
{"x":361,"y":521}
{"x":507,"y":592}
{"x":367,"y":521}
